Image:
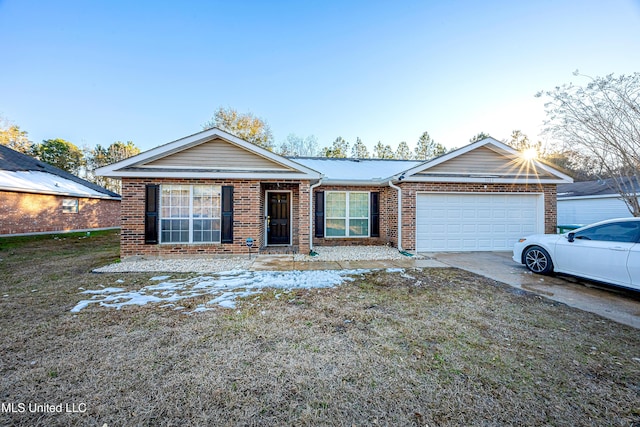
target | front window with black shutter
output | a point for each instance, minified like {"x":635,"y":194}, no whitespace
{"x":190,"y":213}
{"x":346,"y":214}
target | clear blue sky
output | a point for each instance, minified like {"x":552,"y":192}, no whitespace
{"x":94,"y":72}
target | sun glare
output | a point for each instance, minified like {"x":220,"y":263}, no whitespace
{"x":530,"y":154}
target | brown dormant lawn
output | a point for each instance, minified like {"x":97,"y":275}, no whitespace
{"x":433,"y":347}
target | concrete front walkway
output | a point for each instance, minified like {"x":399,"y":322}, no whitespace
{"x":286,"y":263}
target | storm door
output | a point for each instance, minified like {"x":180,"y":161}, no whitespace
{"x":278,"y":218}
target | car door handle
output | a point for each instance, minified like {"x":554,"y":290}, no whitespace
{"x":617,"y":248}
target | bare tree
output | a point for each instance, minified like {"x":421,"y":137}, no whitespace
{"x":601,"y":120}
{"x":297,"y":146}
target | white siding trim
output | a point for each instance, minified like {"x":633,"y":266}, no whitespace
{"x":485,"y":180}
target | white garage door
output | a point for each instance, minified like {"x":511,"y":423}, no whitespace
{"x":476,"y":222}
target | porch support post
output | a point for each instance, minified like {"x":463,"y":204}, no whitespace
{"x":311,"y":212}
{"x":399,"y":190}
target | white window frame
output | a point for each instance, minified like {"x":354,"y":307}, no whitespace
{"x":190,"y":218}
{"x":70,"y":206}
{"x":347,"y":217}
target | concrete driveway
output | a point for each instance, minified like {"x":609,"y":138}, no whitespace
{"x":616,"y":304}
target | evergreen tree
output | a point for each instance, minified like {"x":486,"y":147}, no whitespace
{"x":427,"y":148}
{"x":404,"y":152}
{"x":381,"y":151}
{"x":359,"y":150}
{"x":339,"y":149}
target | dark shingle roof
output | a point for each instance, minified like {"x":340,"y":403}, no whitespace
{"x":600,"y":187}
{"x":13,"y":161}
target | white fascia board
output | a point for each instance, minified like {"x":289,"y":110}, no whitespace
{"x":213,"y":168}
{"x":552,"y":171}
{"x":601,"y":196}
{"x":210,"y":175}
{"x":355,"y":182}
{"x":483,"y":180}
{"x":58,"y":193}
{"x":196,"y":139}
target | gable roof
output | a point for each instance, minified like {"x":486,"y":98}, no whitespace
{"x":212,"y":153}
{"x":484,"y":161}
{"x":22,"y":173}
{"x":593,"y":189}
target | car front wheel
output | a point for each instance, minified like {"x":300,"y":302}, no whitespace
{"x":538,"y":260}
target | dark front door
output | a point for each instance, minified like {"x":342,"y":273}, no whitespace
{"x":278,"y":227}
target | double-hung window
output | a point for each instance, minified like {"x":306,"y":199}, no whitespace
{"x":190,"y":213}
{"x":347,"y":214}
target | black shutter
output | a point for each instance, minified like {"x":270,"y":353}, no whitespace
{"x":319,"y":214}
{"x":375,"y":214}
{"x":227,"y":214}
{"x":151,"y":213}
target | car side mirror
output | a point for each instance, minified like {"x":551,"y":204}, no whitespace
{"x":571,"y":237}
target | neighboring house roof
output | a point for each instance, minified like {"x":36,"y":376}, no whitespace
{"x":594,"y":189}
{"x":22,"y":173}
{"x":215,"y":153}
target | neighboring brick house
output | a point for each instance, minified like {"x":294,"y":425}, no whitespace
{"x":36,"y":197}
{"x":208,"y":192}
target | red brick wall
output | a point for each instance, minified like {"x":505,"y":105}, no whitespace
{"x":248,"y":217}
{"x":42,"y":213}
{"x":249,"y":210}
{"x":409,"y":190}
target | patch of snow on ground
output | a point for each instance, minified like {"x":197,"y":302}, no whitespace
{"x":225,"y":287}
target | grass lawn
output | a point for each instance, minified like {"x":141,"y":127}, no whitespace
{"x":434,"y":347}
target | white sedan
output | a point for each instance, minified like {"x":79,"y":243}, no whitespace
{"x":608,"y":251}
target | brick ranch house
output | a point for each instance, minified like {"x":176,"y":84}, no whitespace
{"x":207,"y":193}
{"x":37,"y":198}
